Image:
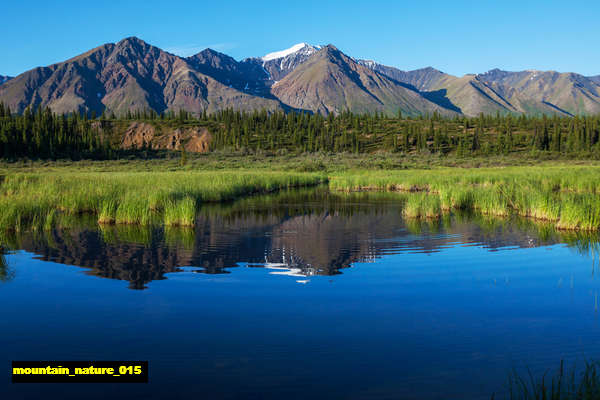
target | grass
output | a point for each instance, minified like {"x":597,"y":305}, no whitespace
{"x":37,"y":201}
{"x":309,"y":162}
{"x":569,"y":197}
{"x":562,"y":385}
{"x":180,"y":212}
{"x":422,"y":206}
{"x":35,"y":195}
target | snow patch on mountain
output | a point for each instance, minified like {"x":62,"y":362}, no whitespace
{"x":294,"y":49}
{"x":368,"y":63}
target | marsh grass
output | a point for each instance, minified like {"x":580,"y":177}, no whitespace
{"x":36,"y":201}
{"x":568,"y":197}
{"x":422,"y":205}
{"x":180,"y":212}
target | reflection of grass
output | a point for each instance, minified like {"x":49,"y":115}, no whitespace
{"x":6,"y":274}
{"x":569,"y":197}
{"x":126,"y":234}
{"x":180,"y":236}
{"x":563,"y":385}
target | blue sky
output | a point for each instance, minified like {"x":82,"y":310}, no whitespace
{"x":457,"y":37}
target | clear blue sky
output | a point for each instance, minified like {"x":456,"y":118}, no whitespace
{"x":457,"y":37}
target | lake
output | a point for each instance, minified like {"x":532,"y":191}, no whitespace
{"x":301,"y":294}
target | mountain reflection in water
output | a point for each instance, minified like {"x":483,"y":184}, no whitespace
{"x":298,"y":234}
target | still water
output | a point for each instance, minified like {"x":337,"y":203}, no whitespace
{"x":301,"y":295}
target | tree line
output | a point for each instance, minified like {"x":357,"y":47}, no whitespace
{"x":40,"y":133}
{"x":46,"y":135}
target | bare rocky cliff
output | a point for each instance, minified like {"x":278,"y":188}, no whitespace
{"x":141,"y":135}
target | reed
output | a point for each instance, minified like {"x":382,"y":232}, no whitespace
{"x":133,"y":209}
{"x":423,"y":206}
{"x":181,"y":212}
{"x":580,"y":212}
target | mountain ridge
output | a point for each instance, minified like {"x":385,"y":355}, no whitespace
{"x":501,"y":91}
{"x":132,"y":74}
{"x":118,"y":77}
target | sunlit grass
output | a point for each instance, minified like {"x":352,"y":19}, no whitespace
{"x":33,"y":201}
{"x":569,"y":197}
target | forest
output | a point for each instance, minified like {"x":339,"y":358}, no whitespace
{"x":42,"y":134}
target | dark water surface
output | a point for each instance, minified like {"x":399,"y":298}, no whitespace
{"x":301,"y":295}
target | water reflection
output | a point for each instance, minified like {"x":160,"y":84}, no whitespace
{"x":297,"y":233}
{"x":6,"y":273}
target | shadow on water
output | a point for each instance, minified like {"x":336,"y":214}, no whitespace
{"x":300,"y":233}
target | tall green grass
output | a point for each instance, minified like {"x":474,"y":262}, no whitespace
{"x":36,"y":200}
{"x":569,"y":197}
{"x":423,"y":206}
{"x":566,"y":196}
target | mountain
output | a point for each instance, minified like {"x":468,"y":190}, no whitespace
{"x":331,"y":82}
{"x":531,"y":92}
{"x":565,"y":92}
{"x":421,"y":79}
{"x":280,"y":63}
{"x":130,"y":74}
{"x":133,"y":75}
{"x":467,"y":95}
{"x":248,"y":77}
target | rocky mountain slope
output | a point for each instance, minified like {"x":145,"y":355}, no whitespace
{"x":4,"y":78}
{"x":531,"y":92}
{"x":130,"y":74}
{"x":331,"y":82}
{"x":244,"y":76}
{"x":564,"y":92}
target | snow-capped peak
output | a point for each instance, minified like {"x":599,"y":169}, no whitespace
{"x":284,"y":53}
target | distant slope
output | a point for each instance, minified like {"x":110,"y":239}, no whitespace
{"x":422,"y":79}
{"x":530,"y":92}
{"x":331,"y":82}
{"x":4,"y":78}
{"x":467,"y":95}
{"x":595,"y":79}
{"x":128,"y":75}
{"x":568,"y":92}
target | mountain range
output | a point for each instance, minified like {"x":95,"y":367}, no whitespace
{"x":134,"y":75}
